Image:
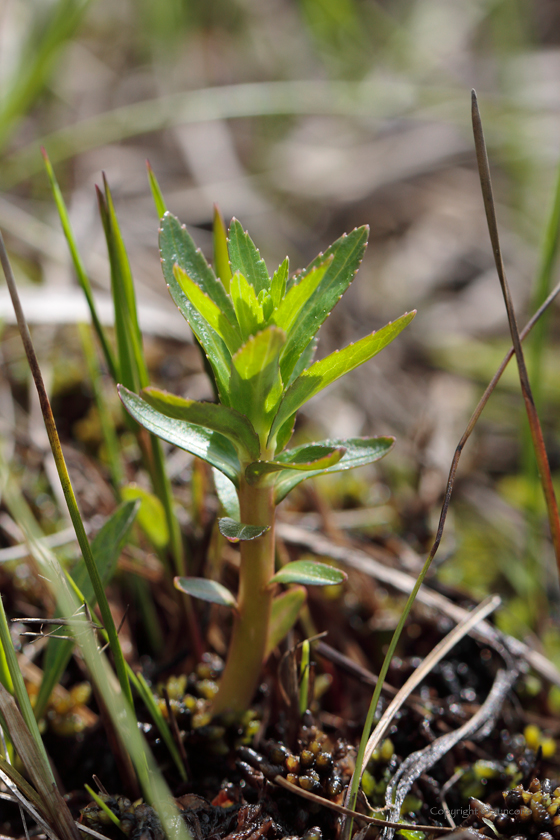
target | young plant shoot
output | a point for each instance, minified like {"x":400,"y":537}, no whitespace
{"x":258,"y":335}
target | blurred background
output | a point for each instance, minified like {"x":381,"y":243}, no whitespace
{"x":305,"y":118}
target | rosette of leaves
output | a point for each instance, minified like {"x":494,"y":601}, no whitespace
{"x":258,"y":335}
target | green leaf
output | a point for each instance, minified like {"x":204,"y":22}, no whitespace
{"x":235,"y":531}
{"x":81,"y":274}
{"x":312,"y":457}
{"x":221,"y":256}
{"x":284,"y":614}
{"x":290,"y":308}
{"x":206,"y":590}
{"x":279,"y":281}
{"x":211,"y":313}
{"x":157,"y":194}
{"x":304,"y":361}
{"x":106,"y":549}
{"x":309,"y":573}
{"x":212,"y":447}
{"x":245,"y":258}
{"x":177,"y":247}
{"x":285,"y":433}
{"x":151,"y":516}
{"x":255,"y":384}
{"x":347,"y":254}
{"x":217,"y":418}
{"x":249,"y":312}
{"x":132,"y":365}
{"x":359,"y":452}
{"x":227,"y":494}
{"x":328,"y":370}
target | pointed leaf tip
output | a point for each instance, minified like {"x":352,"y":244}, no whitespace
{"x":206,"y":590}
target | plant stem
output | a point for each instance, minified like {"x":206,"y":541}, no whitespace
{"x":250,"y":629}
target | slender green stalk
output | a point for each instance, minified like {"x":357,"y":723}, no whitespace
{"x":65,"y":478}
{"x":250,"y":625}
{"x":81,"y":273}
{"x":532,"y":415}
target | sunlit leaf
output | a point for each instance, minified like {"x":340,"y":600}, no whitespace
{"x":304,"y":361}
{"x":359,"y":452}
{"x":286,"y":608}
{"x":312,"y":457}
{"x":328,"y":370}
{"x":206,"y":590}
{"x":347,"y":254}
{"x":208,"y":310}
{"x":218,"y":418}
{"x":309,"y":573}
{"x":279,"y":280}
{"x":212,"y":447}
{"x":151,"y":516}
{"x":255,"y":385}
{"x":157,"y":194}
{"x":291,"y":307}
{"x":177,"y":247}
{"x":245,"y":258}
{"x":249,"y":312}
{"x":235,"y":531}
{"x":221,"y":256}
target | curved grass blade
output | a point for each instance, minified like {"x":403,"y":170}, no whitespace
{"x":132,"y":368}
{"x":347,"y":253}
{"x":218,"y":418}
{"x":145,"y":694}
{"x":328,"y":370}
{"x":212,"y":447}
{"x":151,"y":515}
{"x":359,"y":452}
{"x":314,"y":457}
{"x":245,"y":257}
{"x":532,"y":415}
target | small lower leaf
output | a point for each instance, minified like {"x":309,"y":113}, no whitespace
{"x":313,"y":457}
{"x":285,"y":611}
{"x":227,"y":494}
{"x":309,"y":573}
{"x":235,"y":531}
{"x":206,"y":590}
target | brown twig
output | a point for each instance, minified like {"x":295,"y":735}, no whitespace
{"x":348,"y":812}
{"x":532,"y":415}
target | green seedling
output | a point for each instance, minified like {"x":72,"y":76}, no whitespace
{"x":257,"y":333}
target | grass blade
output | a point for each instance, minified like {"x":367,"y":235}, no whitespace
{"x":532,"y":415}
{"x":79,"y":268}
{"x":65,"y":478}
